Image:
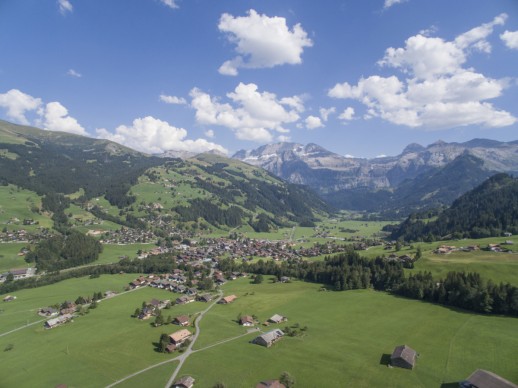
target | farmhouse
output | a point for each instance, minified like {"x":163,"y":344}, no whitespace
{"x":9,"y":298}
{"x":277,"y":319}
{"x":246,"y":320}
{"x":269,"y":338}
{"x":227,"y":299}
{"x":48,"y":311}
{"x":182,"y":320}
{"x":180,"y":336}
{"x":205,"y":298}
{"x":485,"y":379}
{"x":54,"y":322}
{"x":184,"y":299}
{"x":184,"y":382}
{"x":403,"y":357}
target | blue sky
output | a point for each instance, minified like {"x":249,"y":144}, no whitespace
{"x":360,"y":78}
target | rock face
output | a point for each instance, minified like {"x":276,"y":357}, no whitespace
{"x":329,"y":173}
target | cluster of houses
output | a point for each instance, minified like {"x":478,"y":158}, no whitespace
{"x":58,"y":321}
{"x":23,"y":236}
{"x":447,"y":249}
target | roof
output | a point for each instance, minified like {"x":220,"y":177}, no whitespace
{"x":186,"y":381}
{"x":180,"y":335}
{"x":271,"y":335}
{"x":485,"y":379}
{"x":404,"y":352}
{"x":277,"y":318}
{"x":182,"y":319}
{"x":229,"y":298}
{"x":246,"y":319}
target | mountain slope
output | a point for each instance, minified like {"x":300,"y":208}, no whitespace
{"x":488,"y":210}
{"x":98,"y":179}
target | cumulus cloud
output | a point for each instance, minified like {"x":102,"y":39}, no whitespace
{"x":73,"y":73}
{"x":262,"y":41}
{"x":170,"y":3}
{"x":173,"y":100}
{"x":65,"y":6}
{"x":209,"y":133}
{"x":313,"y":122}
{"x":325,"y":112}
{"x":251,"y":114}
{"x":347,"y":114}
{"x":438,"y":90}
{"x":155,"y":136}
{"x":510,"y":39}
{"x":55,"y":118}
{"x":390,"y":3}
{"x":17,"y":104}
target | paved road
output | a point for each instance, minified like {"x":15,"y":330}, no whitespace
{"x":189,"y":350}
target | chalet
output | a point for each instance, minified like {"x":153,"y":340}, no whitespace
{"x":270,"y":384}
{"x":184,"y":299}
{"x":485,"y":379}
{"x":68,"y":308}
{"x":227,"y":299}
{"x":170,"y":348}
{"x":147,"y":312}
{"x":277,"y":319}
{"x":182,"y":320}
{"x":269,"y":338}
{"x":205,"y":298}
{"x":184,"y":382}
{"x":54,"y":322}
{"x":246,"y":320}
{"x":191,"y":291}
{"x":180,"y":336}
{"x":403,"y":357}
{"x":9,"y":298}
{"x":285,"y":279}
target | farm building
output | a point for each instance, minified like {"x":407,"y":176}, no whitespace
{"x":269,"y":338}
{"x":205,"y":298}
{"x":180,"y":336}
{"x":246,"y":320}
{"x":485,"y":379}
{"x":182,"y":320}
{"x":227,"y":299}
{"x":403,"y":357}
{"x":184,"y":382}
{"x":55,"y":322}
{"x":277,"y":319}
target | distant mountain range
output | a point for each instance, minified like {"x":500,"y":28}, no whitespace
{"x":420,"y":177}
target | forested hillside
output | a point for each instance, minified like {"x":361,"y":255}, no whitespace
{"x":490,"y":209}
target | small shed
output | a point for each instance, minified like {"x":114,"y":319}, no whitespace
{"x":484,"y":379}
{"x":403,"y":356}
{"x":270,"y":384}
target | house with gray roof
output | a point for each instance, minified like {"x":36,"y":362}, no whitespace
{"x":484,"y":379}
{"x":269,"y":338}
{"x":404,"y":357}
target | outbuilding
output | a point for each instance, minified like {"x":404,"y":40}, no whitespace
{"x":403,"y":357}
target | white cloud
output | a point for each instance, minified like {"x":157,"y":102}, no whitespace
{"x":251,"y":114}
{"x":170,"y":3}
{"x":209,"y":133}
{"x":155,"y":136}
{"x":313,"y":122}
{"x":172,"y":100}
{"x":510,"y":39}
{"x":262,"y":41}
{"x":17,"y":104}
{"x":325,"y":112}
{"x":439,"y":91}
{"x":390,"y":3}
{"x":283,"y":138}
{"x":65,"y":6}
{"x":347,"y":114}
{"x":55,"y":118}
{"x":73,"y":73}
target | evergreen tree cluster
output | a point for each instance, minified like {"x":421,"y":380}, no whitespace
{"x":491,"y":209}
{"x":64,"y":251}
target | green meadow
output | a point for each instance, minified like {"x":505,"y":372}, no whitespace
{"x":9,"y":258}
{"x":349,"y":335}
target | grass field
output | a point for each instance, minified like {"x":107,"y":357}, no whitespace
{"x":9,"y":258}
{"x":16,"y":205}
{"x":348,"y":337}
